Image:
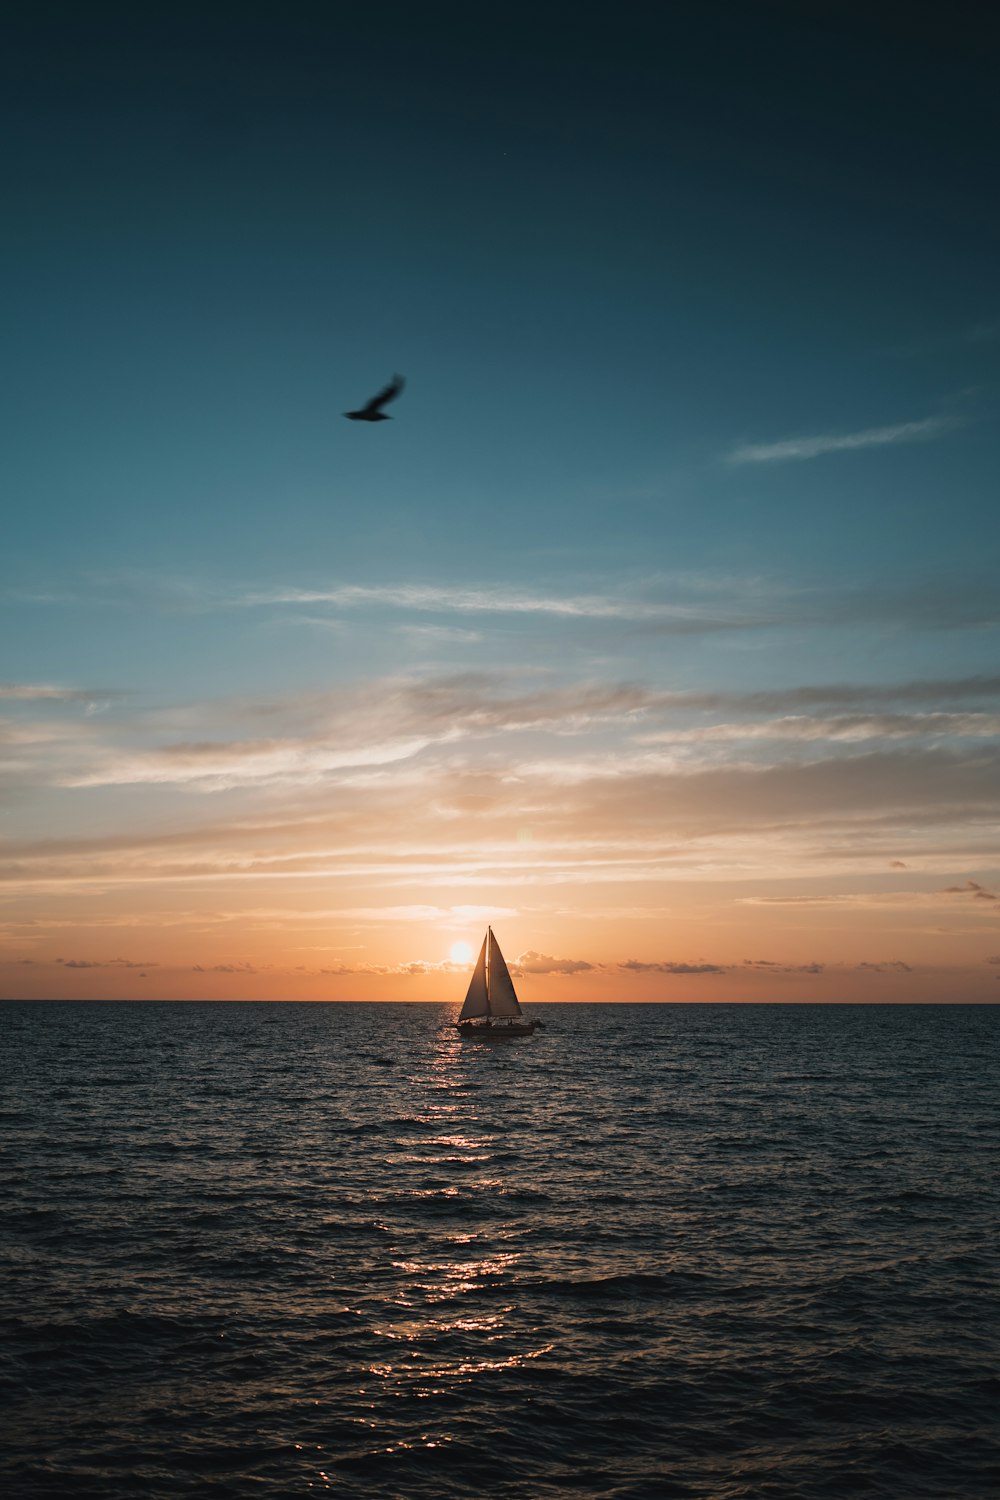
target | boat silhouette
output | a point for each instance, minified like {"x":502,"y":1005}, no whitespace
{"x":491,"y":1008}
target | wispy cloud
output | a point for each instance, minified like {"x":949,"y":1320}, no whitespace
{"x":104,"y":963}
{"x":879,"y":900}
{"x":841,"y":695}
{"x":448,"y":915}
{"x":410,"y":968}
{"x":766,"y":967}
{"x":432,"y":599}
{"x":871,"y":437}
{"x":634,"y":966}
{"x":849,"y":728}
{"x":220,"y":767}
{"x":439,"y":635}
{"x":393,"y":720}
{"x":971,"y":888}
{"x":36,"y":692}
{"x":771,"y":966}
{"x":542,"y":963}
{"x":374,"y":725}
{"x":683,"y":606}
{"x":237,"y":968}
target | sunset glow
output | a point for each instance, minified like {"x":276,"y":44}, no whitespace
{"x":656,"y":625}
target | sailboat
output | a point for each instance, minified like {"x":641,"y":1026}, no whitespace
{"x":491,"y":1006}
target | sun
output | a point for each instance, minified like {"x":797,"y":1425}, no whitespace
{"x":460,"y":953}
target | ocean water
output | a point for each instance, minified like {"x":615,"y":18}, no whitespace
{"x":652,"y":1251}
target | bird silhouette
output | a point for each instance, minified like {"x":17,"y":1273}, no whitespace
{"x":372,"y":410}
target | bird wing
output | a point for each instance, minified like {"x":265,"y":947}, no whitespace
{"x":390,"y":393}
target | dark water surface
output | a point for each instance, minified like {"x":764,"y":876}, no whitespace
{"x":719,"y":1251}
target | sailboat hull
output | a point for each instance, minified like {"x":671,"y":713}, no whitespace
{"x":493,"y":1031}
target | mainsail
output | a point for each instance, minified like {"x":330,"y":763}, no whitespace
{"x":500,"y":996}
{"x":491,"y":989}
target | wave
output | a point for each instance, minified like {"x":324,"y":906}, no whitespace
{"x":624,"y":1284}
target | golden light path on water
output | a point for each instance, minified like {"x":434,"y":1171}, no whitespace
{"x":426,"y":1314}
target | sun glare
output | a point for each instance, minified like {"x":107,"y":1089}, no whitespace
{"x":460,"y":953}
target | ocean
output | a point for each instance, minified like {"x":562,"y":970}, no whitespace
{"x":714,"y":1251}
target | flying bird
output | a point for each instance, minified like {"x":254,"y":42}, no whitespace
{"x":372,"y":410}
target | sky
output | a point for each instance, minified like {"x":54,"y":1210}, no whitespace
{"x":659,"y":628}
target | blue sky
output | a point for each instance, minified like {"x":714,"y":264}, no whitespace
{"x":698,"y":314}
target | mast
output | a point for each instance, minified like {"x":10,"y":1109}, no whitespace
{"x":489,"y":967}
